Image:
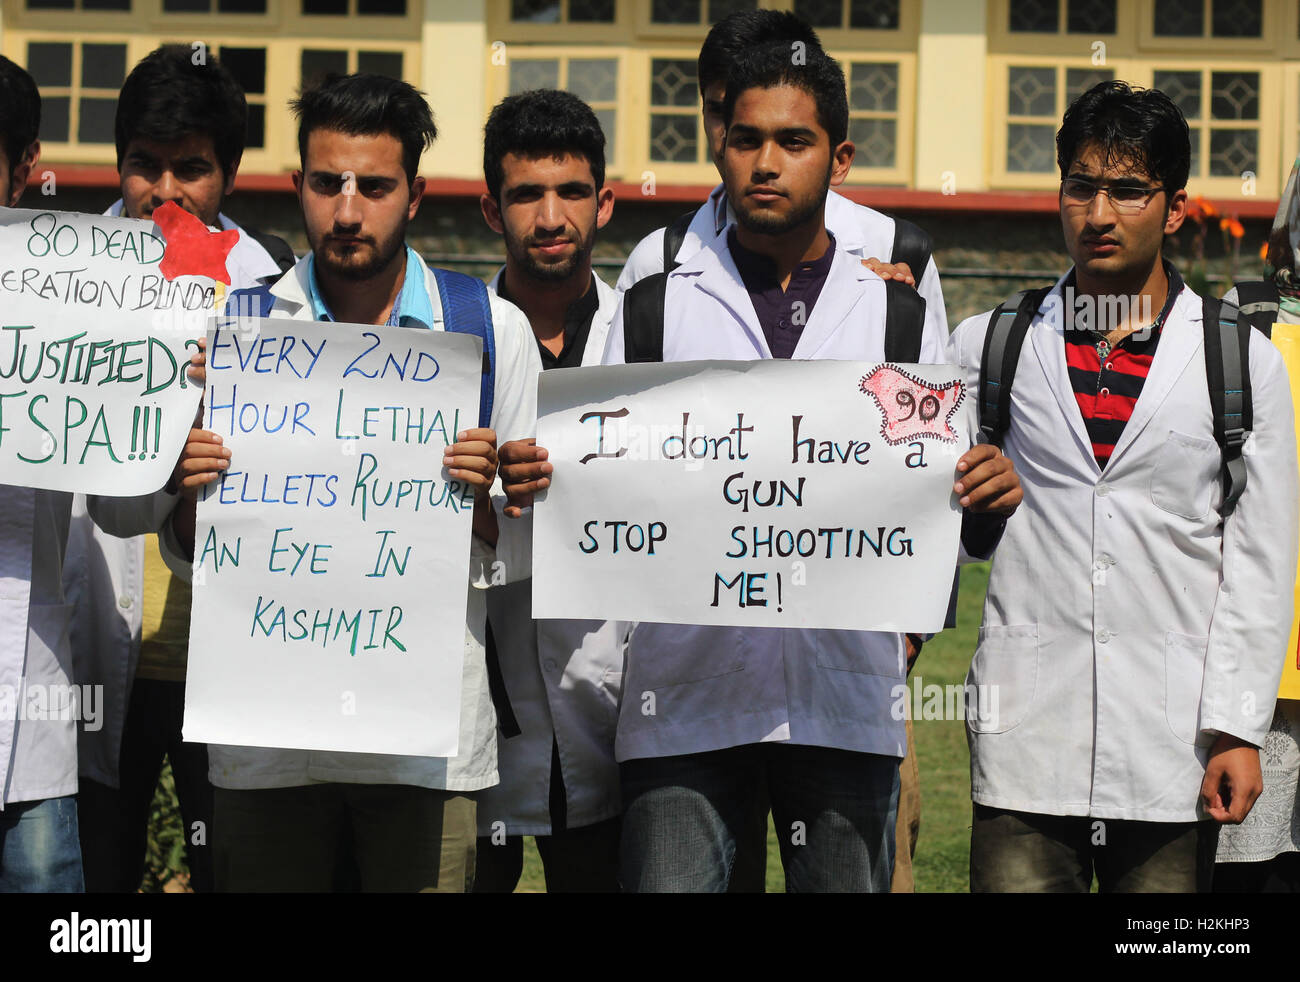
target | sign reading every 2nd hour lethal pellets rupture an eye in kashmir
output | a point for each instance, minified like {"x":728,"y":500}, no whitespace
{"x":331,"y":560}
{"x":95,"y":329}
{"x":766,"y":494}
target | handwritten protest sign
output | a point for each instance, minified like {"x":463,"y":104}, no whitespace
{"x":94,"y":337}
{"x":331,"y":560}
{"x":765,"y":494}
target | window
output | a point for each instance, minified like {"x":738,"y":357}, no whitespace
{"x":562,"y":11}
{"x":1229,"y":138}
{"x":248,"y":65}
{"x":1037,"y":97}
{"x":873,"y":113}
{"x":1209,"y":18}
{"x":363,"y":8}
{"x":696,"y":11}
{"x":674,"y":113}
{"x":593,"y":80}
{"x":79,"y":5}
{"x":875,"y":15}
{"x":1046,"y":16}
{"x":79,"y":83}
{"x":316,"y":63}
{"x":214,"y":6}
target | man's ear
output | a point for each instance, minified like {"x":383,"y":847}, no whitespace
{"x":1177,"y":211}
{"x":492,"y":213}
{"x":296,"y":177}
{"x":229,"y":187}
{"x":417,"y":195}
{"x":604,"y":206}
{"x":841,"y":161}
{"x":19,"y":175}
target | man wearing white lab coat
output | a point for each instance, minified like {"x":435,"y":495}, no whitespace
{"x":544,"y":163}
{"x":282,"y":816}
{"x":1134,"y":636}
{"x":801,"y":715}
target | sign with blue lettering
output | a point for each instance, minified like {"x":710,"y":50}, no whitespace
{"x":331,"y":560}
{"x":814,"y":494}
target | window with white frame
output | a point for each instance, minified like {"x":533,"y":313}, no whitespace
{"x":1222,"y":111}
{"x":870,"y":15}
{"x":593,"y":80}
{"x":562,"y":11}
{"x":703,"y":12}
{"x":674,"y":111}
{"x":79,"y":82}
{"x":1037,"y":96}
{"x":873,"y":113}
{"x":1208,"y":18}
{"x":1049,"y":16}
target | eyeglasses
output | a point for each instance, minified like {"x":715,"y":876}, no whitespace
{"x":1126,"y":198}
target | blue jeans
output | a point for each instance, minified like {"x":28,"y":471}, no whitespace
{"x":40,"y":851}
{"x":834,"y":812}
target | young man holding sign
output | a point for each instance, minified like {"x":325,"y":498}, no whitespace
{"x":544,"y":161}
{"x":819,"y":742}
{"x":283,"y":816}
{"x":20,"y":118}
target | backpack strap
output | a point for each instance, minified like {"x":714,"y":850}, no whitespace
{"x":466,"y":310}
{"x":904,"y":322}
{"x":1227,"y":372}
{"x":912,"y":245}
{"x":643,"y":319}
{"x":1259,"y":302}
{"x":1003,"y":339}
{"x":674,"y":236}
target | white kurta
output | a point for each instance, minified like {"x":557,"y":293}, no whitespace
{"x":718,"y":687}
{"x":563,"y":679}
{"x":514,"y":417}
{"x":1126,"y":624}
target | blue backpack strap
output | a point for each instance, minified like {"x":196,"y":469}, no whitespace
{"x":466,"y":310}
{"x":253,"y":301}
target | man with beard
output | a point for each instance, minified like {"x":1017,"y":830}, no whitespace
{"x":544,"y":162}
{"x":282,"y":817}
{"x":798,"y":717}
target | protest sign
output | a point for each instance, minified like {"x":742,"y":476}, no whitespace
{"x":766,"y":494}
{"x":1287,"y":339}
{"x":97,"y":316}
{"x":331,"y":560}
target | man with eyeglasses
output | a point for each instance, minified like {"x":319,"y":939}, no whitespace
{"x":1135,"y":627}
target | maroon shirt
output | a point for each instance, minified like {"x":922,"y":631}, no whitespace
{"x":781,"y":313}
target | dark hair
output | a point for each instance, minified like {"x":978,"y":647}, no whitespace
{"x":366,"y":105}
{"x":20,"y":111}
{"x":542,"y":122}
{"x":817,"y":73}
{"x":1132,"y":126}
{"x":743,"y":31}
{"x":168,"y":97}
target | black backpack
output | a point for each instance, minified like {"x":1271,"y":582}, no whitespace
{"x":1227,"y":369}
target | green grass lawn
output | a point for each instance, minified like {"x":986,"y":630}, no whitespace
{"x":942,"y":852}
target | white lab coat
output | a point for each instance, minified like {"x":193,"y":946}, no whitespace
{"x":1125,"y":624}
{"x":38,"y":757}
{"x":859,"y":230}
{"x":514,"y":417}
{"x":563,"y":679}
{"x":718,"y":687}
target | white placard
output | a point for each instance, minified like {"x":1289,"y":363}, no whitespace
{"x":767,"y":494}
{"x":94,"y":339}
{"x":332,"y":559}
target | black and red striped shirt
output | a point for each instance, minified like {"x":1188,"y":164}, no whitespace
{"x":1107,"y":389}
